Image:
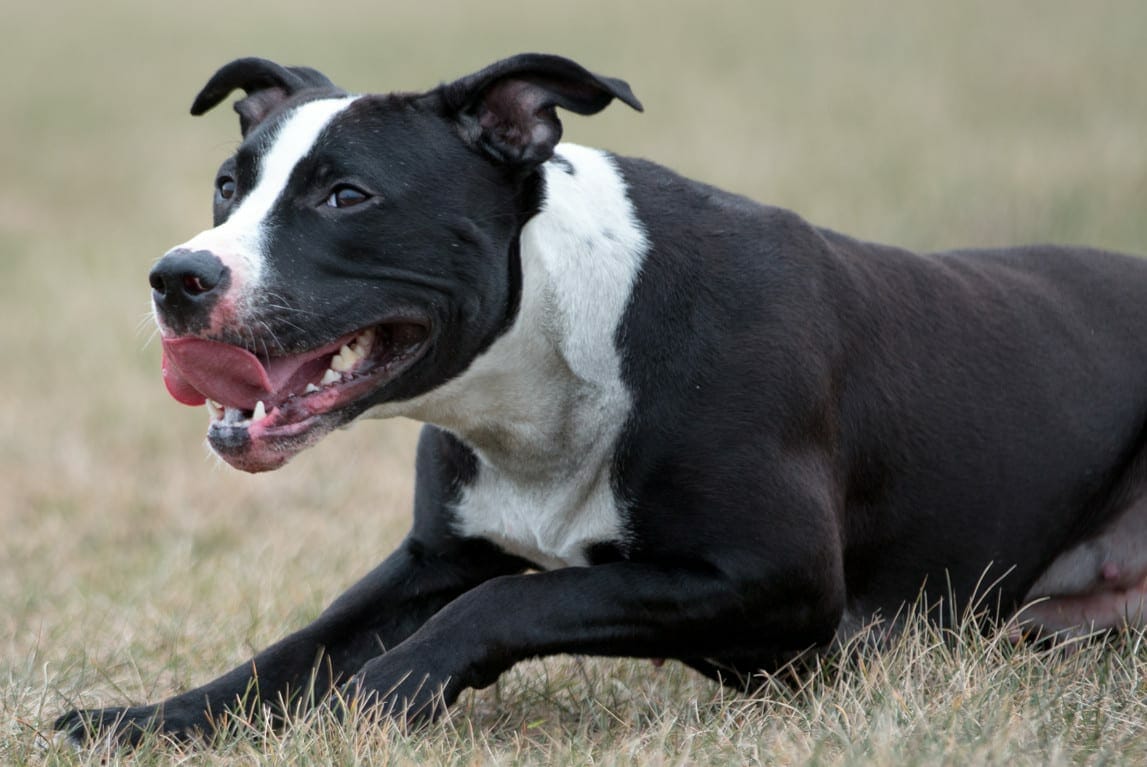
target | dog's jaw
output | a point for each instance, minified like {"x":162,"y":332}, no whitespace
{"x":265,"y":434}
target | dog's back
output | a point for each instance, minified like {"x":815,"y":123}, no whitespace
{"x":983,"y":409}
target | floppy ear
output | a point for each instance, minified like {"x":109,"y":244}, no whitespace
{"x":266,"y":84}
{"x":508,"y":108}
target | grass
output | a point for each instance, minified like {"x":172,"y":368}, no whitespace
{"x":932,"y":698}
{"x":133,"y":566}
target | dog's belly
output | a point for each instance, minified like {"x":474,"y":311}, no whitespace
{"x":1098,"y":584}
{"x":550,"y":523}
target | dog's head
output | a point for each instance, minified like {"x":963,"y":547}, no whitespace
{"x":364,"y":248}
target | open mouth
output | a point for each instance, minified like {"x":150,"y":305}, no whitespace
{"x":265,"y":409}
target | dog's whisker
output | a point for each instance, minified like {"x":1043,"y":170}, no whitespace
{"x":151,"y":337}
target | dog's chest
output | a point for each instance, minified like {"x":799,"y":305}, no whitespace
{"x":543,"y":408}
{"x":551,"y":522}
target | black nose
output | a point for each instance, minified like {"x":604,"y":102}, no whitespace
{"x":186,"y":283}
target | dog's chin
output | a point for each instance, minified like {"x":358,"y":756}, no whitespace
{"x":264,"y":444}
{"x":270,"y":442}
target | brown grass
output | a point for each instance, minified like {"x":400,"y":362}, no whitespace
{"x":132,"y":565}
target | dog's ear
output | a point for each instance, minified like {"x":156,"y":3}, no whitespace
{"x":508,"y":109}
{"x":266,"y":84}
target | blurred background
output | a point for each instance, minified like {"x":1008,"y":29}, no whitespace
{"x":132,"y":563}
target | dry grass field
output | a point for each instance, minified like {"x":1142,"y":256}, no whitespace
{"x":133,"y":565}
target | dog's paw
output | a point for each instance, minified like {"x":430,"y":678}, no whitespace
{"x":124,"y":727}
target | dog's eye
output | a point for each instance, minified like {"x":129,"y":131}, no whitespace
{"x":225,"y":188}
{"x":346,"y":196}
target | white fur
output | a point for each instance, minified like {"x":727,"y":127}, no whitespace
{"x":240,"y":240}
{"x":543,"y":407}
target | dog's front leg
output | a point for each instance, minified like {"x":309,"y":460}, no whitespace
{"x":619,"y":609}
{"x":377,"y":613}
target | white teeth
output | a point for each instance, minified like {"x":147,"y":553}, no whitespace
{"x":354,"y":352}
{"x":233,"y":416}
{"x":344,"y":360}
{"x":363,"y":342}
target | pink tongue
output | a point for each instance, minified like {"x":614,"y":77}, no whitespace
{"x":195,"y":370}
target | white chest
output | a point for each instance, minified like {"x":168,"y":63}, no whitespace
{"x":543,"y":407}
{"x":549,"y":523}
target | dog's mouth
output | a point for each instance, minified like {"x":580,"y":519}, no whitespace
{"x":266,"y":409}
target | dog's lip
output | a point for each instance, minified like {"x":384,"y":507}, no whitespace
{"x":265,"y":440}
{"x":265,"y":410}
{"x":198,"y":370}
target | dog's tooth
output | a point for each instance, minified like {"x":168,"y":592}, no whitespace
{"x":330,"y":377}
{"x":260,"y":411}
{"x":215,"y":409}
{"x":343,"y":361}
{"x":364,"y":342}
{"x":311,"y":389}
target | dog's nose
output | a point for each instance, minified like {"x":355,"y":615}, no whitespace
{"x":186,"y":282}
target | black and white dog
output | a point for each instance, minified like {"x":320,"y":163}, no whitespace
{"x":663,"y":420}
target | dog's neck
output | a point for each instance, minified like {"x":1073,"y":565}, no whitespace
{"x":549,"y":390}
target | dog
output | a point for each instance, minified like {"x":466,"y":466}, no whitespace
{"x":662,"y":420}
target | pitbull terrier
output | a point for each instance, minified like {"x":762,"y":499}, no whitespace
{"x":662,"y":420}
